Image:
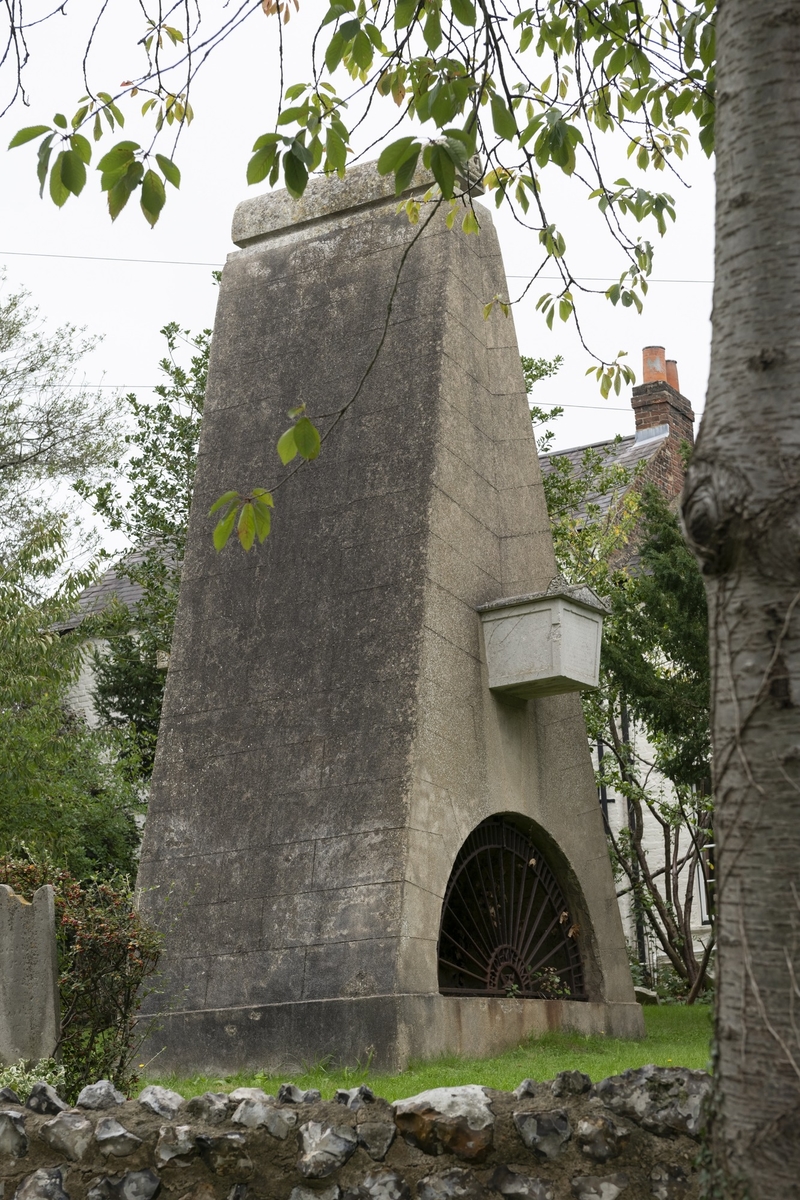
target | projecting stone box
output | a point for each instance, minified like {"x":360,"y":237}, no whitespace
{"x":545,"y":643}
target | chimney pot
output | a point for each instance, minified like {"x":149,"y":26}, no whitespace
{"x":672,"y":374}
{"x":654,"y":364}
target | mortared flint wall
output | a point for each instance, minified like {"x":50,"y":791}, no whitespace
{"x":328,"y":740}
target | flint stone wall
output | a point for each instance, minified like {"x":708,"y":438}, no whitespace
{"x":29,"y":1004}
{"x":633,"y":1136}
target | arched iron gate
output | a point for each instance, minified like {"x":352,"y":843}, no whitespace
{"x":506,"y":929}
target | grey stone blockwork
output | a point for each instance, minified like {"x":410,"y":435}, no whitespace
{"x":29,"y":1006}
{"x":328,"y":738}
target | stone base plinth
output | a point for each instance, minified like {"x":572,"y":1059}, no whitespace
{"x":386,"y":1031}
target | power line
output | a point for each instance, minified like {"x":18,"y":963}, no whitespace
{"x":182,"y":262}
{"x":127,"y":386}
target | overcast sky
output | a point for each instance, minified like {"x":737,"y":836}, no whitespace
{"x":72,"y":259}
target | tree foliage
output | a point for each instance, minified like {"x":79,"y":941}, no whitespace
{"x":62,"y":794}
{"x":615,"y":531}
{"x":151,"y":508}
{"x":476,"y":91}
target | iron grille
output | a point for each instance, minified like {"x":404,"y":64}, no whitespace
{"x":506,"y":928}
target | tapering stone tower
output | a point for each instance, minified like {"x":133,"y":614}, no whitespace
{"x":353,"y":845}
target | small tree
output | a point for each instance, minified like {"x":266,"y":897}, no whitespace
{"x":129,"y":674}
{"x":654,"y":680}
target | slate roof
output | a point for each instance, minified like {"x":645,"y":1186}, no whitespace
{"x":114,"y":583}
{"x":628,"y":452}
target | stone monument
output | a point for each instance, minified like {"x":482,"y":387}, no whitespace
{"x":355,"y":846}
{"x":30,"y":1022}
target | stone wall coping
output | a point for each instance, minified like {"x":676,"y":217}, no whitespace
{"x":579,"y":593}
{"x":258,"y":218}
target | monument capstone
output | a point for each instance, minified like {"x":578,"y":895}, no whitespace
{"x":355,"y":845}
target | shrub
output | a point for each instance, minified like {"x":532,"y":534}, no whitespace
{"x":106,"y":953}
{"x":21,"y":1076}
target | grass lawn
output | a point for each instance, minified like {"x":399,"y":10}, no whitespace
{"x":676,"y":1036}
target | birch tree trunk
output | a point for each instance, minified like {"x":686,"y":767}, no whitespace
{"x":741,"y":509}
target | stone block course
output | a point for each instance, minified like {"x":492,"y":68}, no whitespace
{"x":445,"y":1144}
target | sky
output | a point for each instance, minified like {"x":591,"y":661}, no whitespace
{"x":124,"y":281}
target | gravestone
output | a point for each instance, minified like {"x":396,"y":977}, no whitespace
{"x":355,"y":848}
{"x":29,"y":1005}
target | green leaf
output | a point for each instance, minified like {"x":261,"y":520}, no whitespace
{"x":43,"y":162}
{"x":228,"y":498}
{"x":432,"y":31}
{"x":362,"y":51}
{"x":120,"y":193}
{"x":27,"y":135}
{"x":287,"y":447}
{"x":336,"y":151}
{"x":333,"y":55}
{"x":246,"y":527}
{"x":169,"y":170}
{"x":261,"y":163}
{"x":263,"y":518}
{"x":444,"y":171}
{"x":391,"y":158}
{"x":463,"y":11}
{"x":153,"y":197}
{"x":59,"y":192}
{"x":502,"y":119}
{"x":405,"y":172}
{"x":306,"y":438}
{"x":295,"y":173}
{"x":73,"y":172}
{"x":223,"y":529}
{"x":404,"y":13}
{"x":118,"y":156}
{"x":60,"y":120}
{"x":81,"y":146}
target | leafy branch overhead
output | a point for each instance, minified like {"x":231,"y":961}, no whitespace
{"x":526,"y":88}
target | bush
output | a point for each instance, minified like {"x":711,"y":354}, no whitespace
{"x":21,"y":1076}
{"x":106,"y":953}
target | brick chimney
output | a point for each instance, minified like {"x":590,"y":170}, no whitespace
{"x":659,"y":409}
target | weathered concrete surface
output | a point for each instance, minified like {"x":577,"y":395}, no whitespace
{"x":328,"y":738}
{"x":446,"y":1143}
{"x":29,"y":1007}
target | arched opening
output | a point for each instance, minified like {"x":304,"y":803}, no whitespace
{"x":506,"y":928}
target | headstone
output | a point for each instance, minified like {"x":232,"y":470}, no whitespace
{"x":329,"y":740}
{"x":29,"y":1005}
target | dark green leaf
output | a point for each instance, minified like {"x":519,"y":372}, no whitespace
{"x":60,"y":120}
{"x":59,"y":193}
{"x":296,"y":175}
{"x":444,"y":171}
{"x":391,"y":158}
{"x":405,"y":172}
{"x":169,"y":170}
{"x":73,"y":172}
{"x":153,"y":197}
